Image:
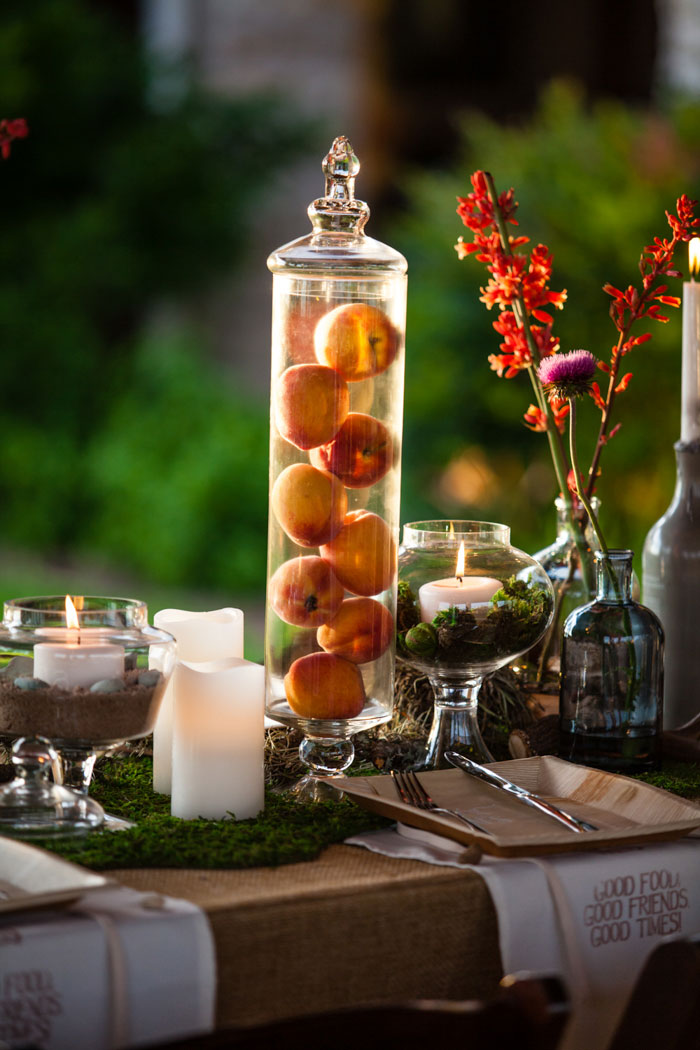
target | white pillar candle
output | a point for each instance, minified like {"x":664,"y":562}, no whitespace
{"x":200,"y":637}
{"x":74,"y":663}
{"x":457,"y":591}
{"x":218,"y":740}
{"x":690,"y":368}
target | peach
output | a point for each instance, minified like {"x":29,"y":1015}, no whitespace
{"x":363,"y":554}
{"x":357,"y":339}
{"x":309,"y":504}
{"x":360,"y":631}
{"x":361,"y":453}
{"x":305,"y":592}
{"x":299,"y":327}
{"x":311,"y":405}
{"x":322,"y":685}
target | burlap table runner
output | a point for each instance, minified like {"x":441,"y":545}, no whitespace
{"x":350,"y":927}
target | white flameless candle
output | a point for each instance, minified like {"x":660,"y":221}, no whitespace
{"x":458,"y":591}
{"x":200,"y":637}
{"x":75,"y":657}
{"x":690,"y":375}
{"x":218,"y":740}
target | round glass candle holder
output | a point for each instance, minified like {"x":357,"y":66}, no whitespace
{"x":338,"y":320}
{"x":85,"y":689}
{"x":463,"y":615}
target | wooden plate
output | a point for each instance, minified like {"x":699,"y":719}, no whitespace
{"x":626,"y":811}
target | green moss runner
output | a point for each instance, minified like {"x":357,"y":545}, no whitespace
{"x":286,"y":832}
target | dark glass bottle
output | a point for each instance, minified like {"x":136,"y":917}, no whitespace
{"x":671,"y":579}
{"x":611,"y":693}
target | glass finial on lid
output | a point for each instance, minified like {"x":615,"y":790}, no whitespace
{"x":337,"y":245}
{"x":338,"y":210}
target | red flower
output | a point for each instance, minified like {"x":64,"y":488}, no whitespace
{"x":476,"y":209}
{"x":518,"y":286}
{"x":571,"y":485}
{"x":536,"y":419}
{"x":9,"y":130}
{"x":514,"y":279}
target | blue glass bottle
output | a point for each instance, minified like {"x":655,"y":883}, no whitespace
{"x":611,"y":690}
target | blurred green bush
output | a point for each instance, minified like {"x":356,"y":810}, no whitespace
{"x":593,"y":184}
{"x":133,"y":445}
{"x":178,"y":474}
{"x":111,"y":206}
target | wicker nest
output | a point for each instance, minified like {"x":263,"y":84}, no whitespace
{"x":503,"y":706}
{"x":400,"y":743}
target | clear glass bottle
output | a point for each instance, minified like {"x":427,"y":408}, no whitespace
{"x":611,"y":693}
{"x":671,"y":578}
{"x":561,"y":561}
{"x":338,"y":324}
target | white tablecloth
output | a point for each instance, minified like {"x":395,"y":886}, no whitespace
{"x":591,"y":918}
{"x":117,"y":968}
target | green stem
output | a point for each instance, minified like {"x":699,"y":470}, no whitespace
{"x":577,"y":479}
{"x":555,"y":626}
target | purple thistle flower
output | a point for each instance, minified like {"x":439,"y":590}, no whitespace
{"x":568,"y":375}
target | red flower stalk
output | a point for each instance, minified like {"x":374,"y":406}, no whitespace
{"x":10,"y":130}
{"x":519,"y":286}
{"x":632,"y":305}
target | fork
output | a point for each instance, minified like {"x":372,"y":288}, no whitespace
{"x":412,"y":792}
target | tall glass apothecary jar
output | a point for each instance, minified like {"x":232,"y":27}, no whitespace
{"x":338,"y":324}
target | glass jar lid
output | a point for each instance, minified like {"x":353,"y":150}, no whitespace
{"x":338,"y":242}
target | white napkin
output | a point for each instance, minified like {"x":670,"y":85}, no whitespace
{"x":117,"y":969}
{"x":591,"y":917}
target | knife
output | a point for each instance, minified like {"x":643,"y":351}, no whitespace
{"x":522,"y":794}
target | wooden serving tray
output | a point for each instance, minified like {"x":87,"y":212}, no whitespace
{"x":626,"y":811}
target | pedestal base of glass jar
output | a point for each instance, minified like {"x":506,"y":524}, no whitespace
{"x":455,"y":723}
{"x":324,"y":757}
{"x":31,"y":806}
{"x":75,"y":767}
{"x":614,"y":752}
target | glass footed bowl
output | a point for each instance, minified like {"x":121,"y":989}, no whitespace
{"x":85,"y":690}
{"x":458,"y":621}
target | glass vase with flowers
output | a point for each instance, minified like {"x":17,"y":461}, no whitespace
{"x":623,"y":681}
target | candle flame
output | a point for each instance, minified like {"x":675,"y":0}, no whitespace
{"x":694,"y":256}
{"x":72,"y":620}
{"x":459,"y":571}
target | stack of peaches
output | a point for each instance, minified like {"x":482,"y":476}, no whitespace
{"x":333,"y":587}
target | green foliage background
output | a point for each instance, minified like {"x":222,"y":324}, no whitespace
{"x":115,"y":440}
{"x":593,"y":184}
{"x":135,"y":446}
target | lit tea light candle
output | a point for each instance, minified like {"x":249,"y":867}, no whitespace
{"x":76,"y":657}
{"x":458,"y":591}
{"x":690,"y":373}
